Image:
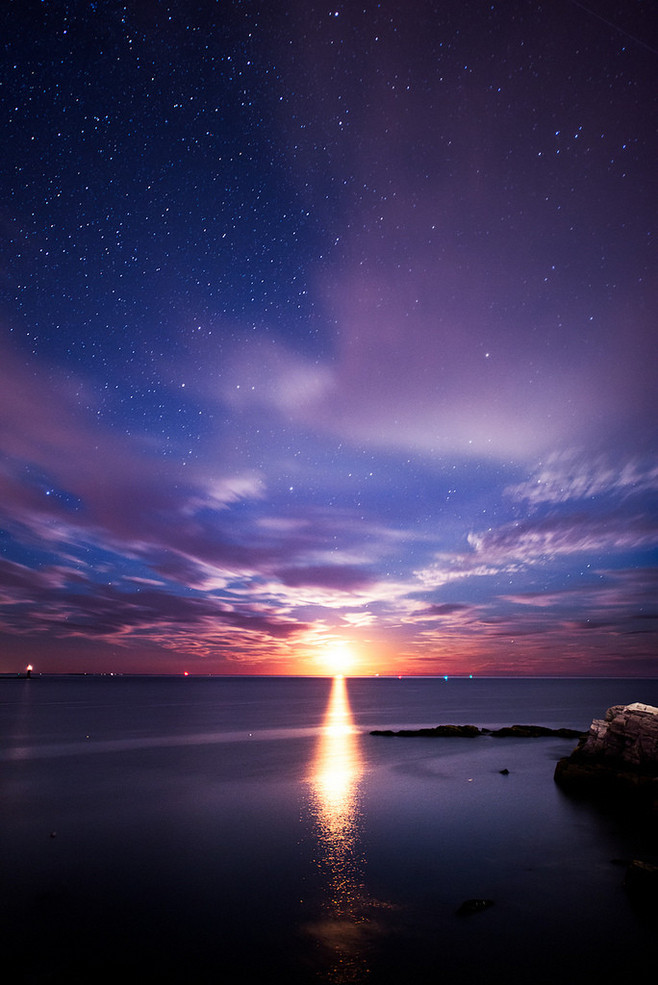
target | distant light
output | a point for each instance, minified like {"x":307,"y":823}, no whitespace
{"x":445,"y":677}
{"x":30,"y":667}
{"x":186,"y":673}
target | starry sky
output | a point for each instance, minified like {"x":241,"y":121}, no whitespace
{"x":328,"y":333}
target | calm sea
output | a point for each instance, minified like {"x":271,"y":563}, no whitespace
{"x":207,"y":830}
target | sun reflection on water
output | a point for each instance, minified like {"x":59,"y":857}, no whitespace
{"x":346,"y":922}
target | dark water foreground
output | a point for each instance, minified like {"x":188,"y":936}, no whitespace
{"x":248,"y":831}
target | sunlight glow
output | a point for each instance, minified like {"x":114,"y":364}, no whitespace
{"x":338,"y":658}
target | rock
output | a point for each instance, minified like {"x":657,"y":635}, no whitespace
{"x":471,"y":731}
{"x":471,"y":906}
{"x":641,"y":881}
{"x":536,"y":732}
{"x":504,"y":772}
{"x":628,"y":735}
{"x":618,"y":758}
{"x":444,"y":731}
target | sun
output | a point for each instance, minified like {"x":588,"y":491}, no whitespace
{"x":338,"y":658}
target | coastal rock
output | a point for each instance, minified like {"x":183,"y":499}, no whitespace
{"x":628,"y":735}
{"x":535,"y":732}
{"x":445,"y":731}
{"x":617,"y":758}
{"x":471,"y":731}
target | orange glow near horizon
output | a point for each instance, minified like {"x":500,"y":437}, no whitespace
{"x":339,"y":658}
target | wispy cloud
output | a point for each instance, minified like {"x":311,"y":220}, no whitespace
{"x":531,"y":541}
{"x":566,"y":476}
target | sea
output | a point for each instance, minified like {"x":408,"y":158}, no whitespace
{"x":251,"y":830}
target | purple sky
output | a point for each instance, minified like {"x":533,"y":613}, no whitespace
{"x":329,"y":326}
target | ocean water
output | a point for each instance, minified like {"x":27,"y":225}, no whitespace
{"x":207,"y":830}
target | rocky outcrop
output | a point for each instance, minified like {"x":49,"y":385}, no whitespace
{"x":535,"y":732}
{"x":627,"y":735}
{"x":618,"y":758}
{"x":471,"y":731}
{"x":442,"y":731}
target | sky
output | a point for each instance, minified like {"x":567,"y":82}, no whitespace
{"x":328,"y":337}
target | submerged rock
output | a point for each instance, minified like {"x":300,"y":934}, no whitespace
{"x":618,"y":757}
{"x":470,"y":906}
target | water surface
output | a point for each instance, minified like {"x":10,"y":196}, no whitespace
{"x":247,"y":829}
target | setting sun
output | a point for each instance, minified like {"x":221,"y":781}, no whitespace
{"x":338,"y":658}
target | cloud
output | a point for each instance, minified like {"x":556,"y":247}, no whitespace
{"x":19,"y":578}
{"x":221,"y":491}
{"x":513,"y":548}
{"x":67,"y":480}
{"x":468,"y":319}
{"x":529,"y":541}
{"x":263,"y":374}
{"x":41,"y":604}
{"x":419,"y":363}
{"x":568,"y":475}
{"x":605,"y":620}
{"x":602,"y":590}
{"x":608,"y":610}
{"x":333,"y":576}
{"x":180,"y":553}
{"x":448,"y":567}
{"x":115,"y":541}
{"x":440,"y":610}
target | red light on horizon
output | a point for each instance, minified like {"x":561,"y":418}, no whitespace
{"x":186,"y":673}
